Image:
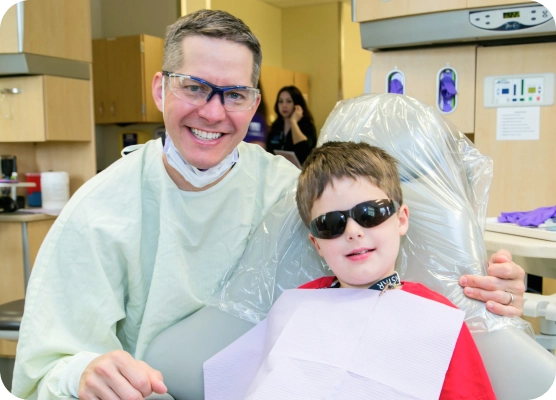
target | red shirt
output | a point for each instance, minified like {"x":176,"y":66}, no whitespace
{"x":466,"y":377}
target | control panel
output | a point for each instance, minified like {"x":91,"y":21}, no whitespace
{"x":519,"y":90}
{"x":509,"y":19}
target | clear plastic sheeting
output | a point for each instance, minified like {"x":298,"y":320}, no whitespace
{"x":445,"y":183}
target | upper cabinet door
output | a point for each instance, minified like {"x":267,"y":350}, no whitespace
{"x":123,"y":55}
{"x":9,"y":42}
{"x":490,"y":3}
{"x":123,"y":69}
{"x":44,"y":108}
{"x":21,"y":109}
{"x":55,"y":28}
{"x":100,"y":82}
{"x":371,"y":10}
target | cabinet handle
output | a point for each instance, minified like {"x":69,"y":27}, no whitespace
{"x":101,"y":109}
{"x":11,"y":91}
{"x":113,"y":108}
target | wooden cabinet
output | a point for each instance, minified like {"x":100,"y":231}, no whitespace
{"x":11,"y":267}
{"x":421,"y":68}
{"x":44,"y":108}
{"x":373,"y":10}
{"x":273,"y":79}
{"x":55,"y":28}
{"x":123,"y":69}
{"x":490,"y":3}
{"x":524,"y":172}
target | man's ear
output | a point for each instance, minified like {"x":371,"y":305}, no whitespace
{"x":403,"y":218}
{"x":157,"y":90}
{"x":315,"y":243}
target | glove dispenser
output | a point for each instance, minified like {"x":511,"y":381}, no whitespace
{"x":447,"y":90}
{"x":395,"y":82}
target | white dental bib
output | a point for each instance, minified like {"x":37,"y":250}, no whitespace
{"x":195,"y":176}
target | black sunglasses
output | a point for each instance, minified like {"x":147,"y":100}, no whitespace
{"x":367,"y":214}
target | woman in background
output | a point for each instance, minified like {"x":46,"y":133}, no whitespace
{"x":294,"y":129}
{"x":256,"y":133}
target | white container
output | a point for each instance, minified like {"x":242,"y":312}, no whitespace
{"x":55,"y":190}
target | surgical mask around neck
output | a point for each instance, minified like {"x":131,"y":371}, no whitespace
{"x":195,"y":176}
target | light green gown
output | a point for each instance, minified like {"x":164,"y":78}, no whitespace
{"x":131,"y":254}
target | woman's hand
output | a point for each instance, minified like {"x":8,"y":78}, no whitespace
{"x":504,"y":277}
{"x":297,"y":114}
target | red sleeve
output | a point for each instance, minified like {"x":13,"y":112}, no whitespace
{"x":466,"y":377}
{"x":319,"y":283}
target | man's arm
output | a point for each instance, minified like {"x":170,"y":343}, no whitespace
{"x":503,"y":276}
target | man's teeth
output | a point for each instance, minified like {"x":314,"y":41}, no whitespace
{"x":205,"y":135}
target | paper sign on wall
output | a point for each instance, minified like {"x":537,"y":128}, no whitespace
{"x":518,"y":123}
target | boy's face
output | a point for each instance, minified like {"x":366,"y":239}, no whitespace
{"x":361,"y":256}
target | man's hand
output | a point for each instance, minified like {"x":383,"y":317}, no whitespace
{"x":117,"y":375}
{"x":503,"y":276}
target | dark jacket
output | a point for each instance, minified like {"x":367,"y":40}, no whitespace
{"x":276,"y":139}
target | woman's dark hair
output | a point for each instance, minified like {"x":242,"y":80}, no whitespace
{"x":262,"y":109}
{"x":298,"y":100}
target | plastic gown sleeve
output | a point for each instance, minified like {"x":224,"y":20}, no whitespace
{"x":445,"y":183}
{"x":85,"y":297}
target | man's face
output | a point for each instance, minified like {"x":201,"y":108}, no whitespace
{"x":361,"y":256}
{"x":205,"y":135}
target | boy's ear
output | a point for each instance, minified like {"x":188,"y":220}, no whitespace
{"x":403,"y":218}
{"x":314,"y":241}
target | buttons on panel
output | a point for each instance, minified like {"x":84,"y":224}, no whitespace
{"x":533,"y":90}
{"x":510,"y":18}
{"x":518,"y":90}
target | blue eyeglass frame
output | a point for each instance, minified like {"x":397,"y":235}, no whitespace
{"x":215,"y":89}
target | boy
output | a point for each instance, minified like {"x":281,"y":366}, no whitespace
{"x":349,"y":195}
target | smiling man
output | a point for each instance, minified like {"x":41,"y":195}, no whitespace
{"x":142,"y":245}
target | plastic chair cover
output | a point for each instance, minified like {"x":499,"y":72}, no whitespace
{"x":445,"y":183}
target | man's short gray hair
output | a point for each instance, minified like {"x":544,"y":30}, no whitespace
{"x":213,"y":24}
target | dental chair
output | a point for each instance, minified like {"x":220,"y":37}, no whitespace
{"x":445,"y":183}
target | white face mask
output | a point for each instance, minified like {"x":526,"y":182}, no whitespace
{"x":193,"y":175}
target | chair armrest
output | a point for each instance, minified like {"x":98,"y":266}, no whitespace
{"x":180,"y":351}
{"x":519,"y":368}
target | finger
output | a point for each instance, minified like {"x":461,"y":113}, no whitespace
{"x":491,"y":283}
{"x":506,"y":271}
{"x":157,"y":381}
{"x":505,"y":311}
{"x":124,"y":389}
{"x":96,"y":387}
{"x":136,"y":375}
{"x":497,"y":301}
{"x":501,"y":256}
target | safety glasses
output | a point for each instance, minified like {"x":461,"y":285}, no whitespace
{"x":198,"y":92}
{"x":367,"y":214}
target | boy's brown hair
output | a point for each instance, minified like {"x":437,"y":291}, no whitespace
{"x":345,"y":159}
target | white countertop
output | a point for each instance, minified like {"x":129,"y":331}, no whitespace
{"x":520,"y":245}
